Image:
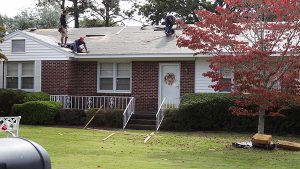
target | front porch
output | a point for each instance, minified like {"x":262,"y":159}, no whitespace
{"x":118,"y":102}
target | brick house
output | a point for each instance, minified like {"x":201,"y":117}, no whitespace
{"x":129,"y":62}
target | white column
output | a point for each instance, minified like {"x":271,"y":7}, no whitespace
{"x":37,"y":76}
{"x":1,"y":74}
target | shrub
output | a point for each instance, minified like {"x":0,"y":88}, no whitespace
{"x":71,"y":117}
{"x":106,"y":118}
{"x":210,"y":112}
{"x":206,"y":111}
{"x":9,"y":97}
{"x":37,"y":112}
{"x":36,"y":96}
{"x":172,"y":120}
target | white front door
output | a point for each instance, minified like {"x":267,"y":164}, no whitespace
{"x":169,"y":84}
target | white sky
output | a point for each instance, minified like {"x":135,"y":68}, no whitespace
{"x":13,"y":7}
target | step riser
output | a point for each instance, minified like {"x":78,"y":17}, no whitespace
{"x":141,"y":127}
{"x":139,"y":116}
{"x":142,"y":121}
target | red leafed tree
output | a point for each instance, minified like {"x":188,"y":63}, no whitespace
{"x":258,"y":41}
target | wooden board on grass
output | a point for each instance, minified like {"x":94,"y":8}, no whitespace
{"x":287,"y":145}
{"x":262,"y":138}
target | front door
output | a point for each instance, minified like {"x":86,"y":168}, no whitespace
{"x":169,"y":84}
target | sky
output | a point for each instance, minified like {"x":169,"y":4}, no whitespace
{"x":11,"y":8}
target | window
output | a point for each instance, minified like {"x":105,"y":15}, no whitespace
{"x":114,"y":77}
{"x":226,"y":73}
{"x":20,"y":75}
{"x":18,"y":46}
{"x":12,"y":75}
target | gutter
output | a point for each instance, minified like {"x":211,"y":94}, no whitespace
{"x":138,"y":55}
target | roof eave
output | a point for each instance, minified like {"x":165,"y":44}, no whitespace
{"x":138,"y":55}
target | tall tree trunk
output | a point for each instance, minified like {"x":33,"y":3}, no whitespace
{"x":107,"y":15}
{"x":196,"y":19}
{"x":76,"y":14}
{"x":261,"y":121}
{"x":62,"y":6}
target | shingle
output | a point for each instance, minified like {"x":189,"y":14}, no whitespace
{"x":131,"y":40}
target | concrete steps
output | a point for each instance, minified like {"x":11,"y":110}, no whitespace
{"x":142,"y":121}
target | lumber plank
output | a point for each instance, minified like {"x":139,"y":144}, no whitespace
{"x":288,"y":145}
{"x":148,"y":137}
{"x":92,"y":117}
{"x":108,"y":136}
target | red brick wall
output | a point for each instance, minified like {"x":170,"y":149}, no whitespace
{"x":187,"y":77}
{"x":85,"y":78}
{"x":145,"y":78}
{"x":145,"y":85}
{"x":80,"y":78}
{"x":71,"y":77}
{"x":84,"y":81}
{"x":56,"y":76}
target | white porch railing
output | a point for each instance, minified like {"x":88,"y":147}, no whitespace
{"x":160,"y":114}
{"x":169,"y":103}
{"x":89,"y":102}
{"x":128,"y":112}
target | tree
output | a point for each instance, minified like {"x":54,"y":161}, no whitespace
{"x":94,"y":10}
{"x":87,"y":23}
{"x":61,"y":3}
{"x":78,"y":7}
{"x":156,"y":10}
{"x":262,"y":56}
{"x":108,"y":11}
{"x":44,"y":17}
{"x":2,"y":33}
{"x":47,"y":16}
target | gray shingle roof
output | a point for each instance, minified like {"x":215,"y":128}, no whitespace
{"x":129,"y":41}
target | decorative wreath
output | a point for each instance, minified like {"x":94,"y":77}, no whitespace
{"x":169,"y":78}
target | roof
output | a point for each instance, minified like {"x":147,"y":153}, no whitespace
{"x":132,"y":40}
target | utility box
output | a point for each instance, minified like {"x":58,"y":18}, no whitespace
{"x":20,"y":153}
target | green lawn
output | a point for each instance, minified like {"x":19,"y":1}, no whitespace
{"x":84,"y":149}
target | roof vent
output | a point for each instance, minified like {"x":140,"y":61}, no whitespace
{"x":93,"y":35}
{"x":32,"y":29}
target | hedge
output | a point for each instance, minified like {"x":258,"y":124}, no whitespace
{"x":37,"y":112}
{"x":106,"y":118}
{"x":210,"y":112}
{"x":71,"y":117}
{"x":9,"y":97}
{"x":36,"y":96}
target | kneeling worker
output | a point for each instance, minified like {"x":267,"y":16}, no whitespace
{"x":77,"y":46}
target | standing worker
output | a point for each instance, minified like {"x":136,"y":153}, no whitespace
{"x":169,"y":21}
{"x":63,"y":28}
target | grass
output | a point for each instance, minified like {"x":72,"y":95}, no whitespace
{"x":84,"y":149}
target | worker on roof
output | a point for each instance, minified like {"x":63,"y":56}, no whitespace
{"x":78,"y":46}
{"x":169,"y":21}
{"x":63,"y":28}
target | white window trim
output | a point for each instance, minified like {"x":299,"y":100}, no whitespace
{"x":227,"y":77}
{"x":20,"y":77}
{"x":114,"y":79}
{"x":18,"y":52}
